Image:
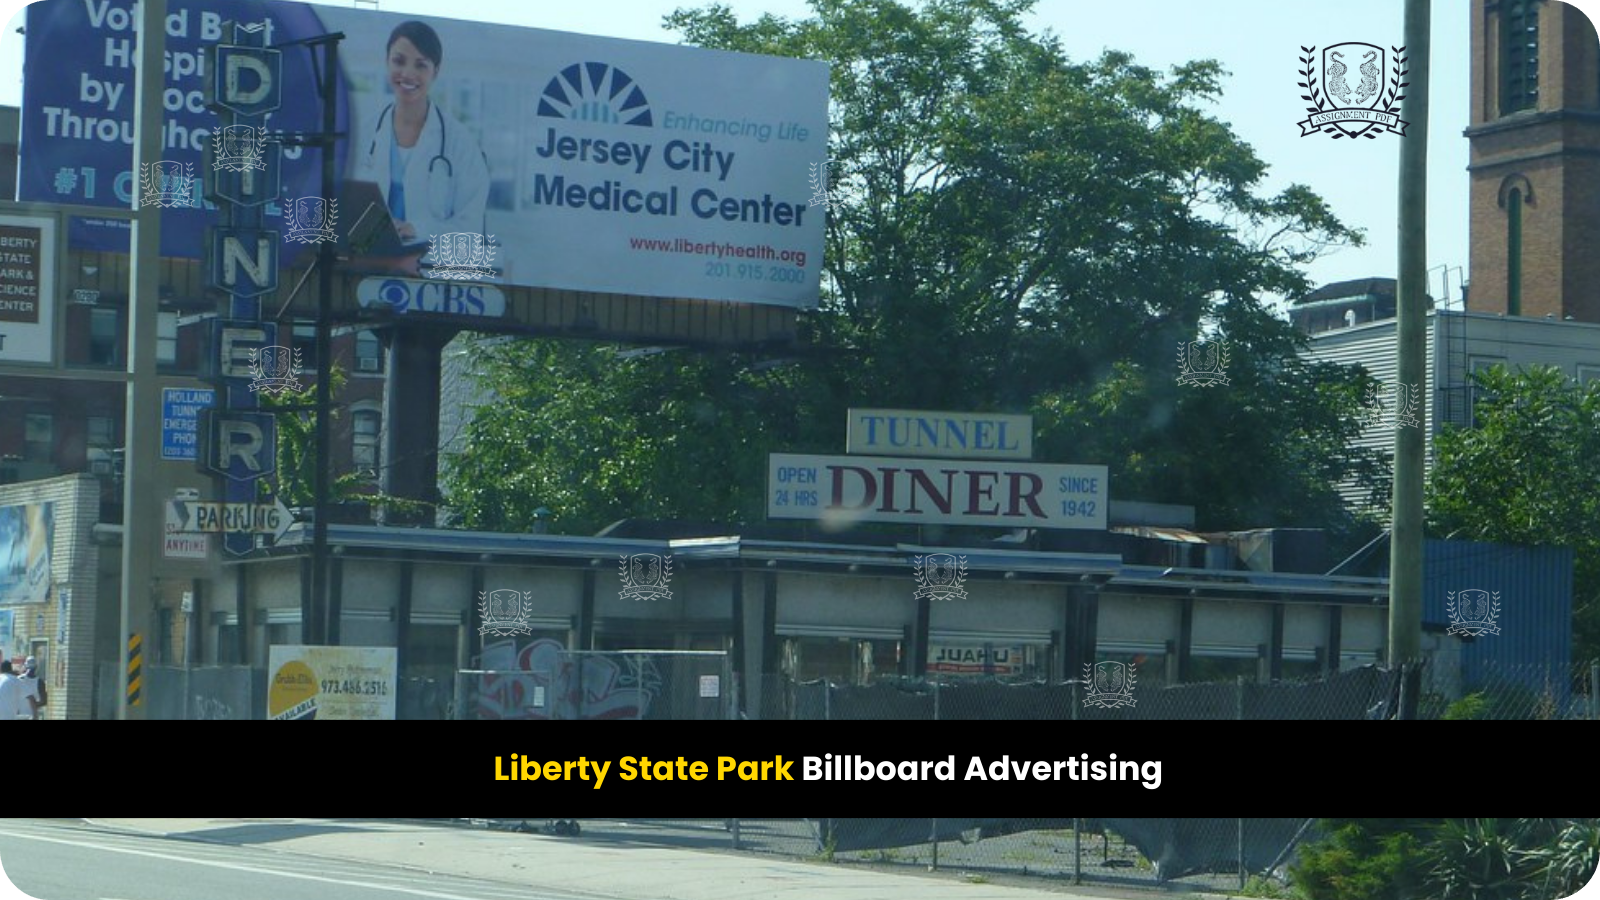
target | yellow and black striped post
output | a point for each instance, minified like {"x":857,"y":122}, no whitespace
{"x":135,"y":658}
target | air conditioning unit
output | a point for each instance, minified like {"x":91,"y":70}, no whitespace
{"x":367,"y":364}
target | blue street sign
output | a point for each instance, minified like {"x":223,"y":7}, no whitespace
{"x":180,"y":420}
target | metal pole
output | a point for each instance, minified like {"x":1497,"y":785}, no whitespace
{"x":933,"y":836}
{"x":1405,"y":557}
{"x":141,"y":512}
{"x":329,"y":633}
{"x":1241,"y":853}
{"x":736,"y":834}
{"x":1077,"y":851}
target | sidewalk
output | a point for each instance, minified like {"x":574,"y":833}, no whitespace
{"x":567,"y":864}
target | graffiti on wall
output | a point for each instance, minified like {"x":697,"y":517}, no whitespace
{"x":562,"y":685}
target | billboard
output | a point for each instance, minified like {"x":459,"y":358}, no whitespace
{"x":27,"y":283}
{"x":27,"y":532}
{"x":331,"y":682}
{"x":525,"y":156}
{"x":842,"y":490}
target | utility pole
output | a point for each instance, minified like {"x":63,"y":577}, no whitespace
{"x":1405,"y":543}
{"x":141,"y":512}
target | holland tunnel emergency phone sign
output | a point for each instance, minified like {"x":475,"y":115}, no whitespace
{"x":845,"y":489}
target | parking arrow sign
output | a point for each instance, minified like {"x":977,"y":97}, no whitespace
{"x":278,"y":518}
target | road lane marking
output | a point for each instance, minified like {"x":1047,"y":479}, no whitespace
{"x":237,"y":867}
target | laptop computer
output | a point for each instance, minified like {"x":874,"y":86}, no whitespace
{"x":369,"y":230}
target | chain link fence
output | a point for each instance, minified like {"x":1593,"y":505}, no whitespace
{"x":1369,"y":692}
{"x":219,"y":693}
{"x":1188,"y":853}
{"x":591,"y":684}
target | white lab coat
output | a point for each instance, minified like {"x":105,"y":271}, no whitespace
{"x":439,"y":202}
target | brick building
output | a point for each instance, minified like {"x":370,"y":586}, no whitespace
{"x":1535,"y":160}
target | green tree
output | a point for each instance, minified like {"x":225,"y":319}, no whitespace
{"x":297,"y":448}
{"x":1009,"y":230}
{"x":1528,"y":473}
{"x":1365,"y":859}
{"x":1511,"y":859}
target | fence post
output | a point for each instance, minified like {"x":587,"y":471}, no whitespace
{"x":1238,"y":697}
{"x":736,"y":834}
{"x":827,"y":699}
{"x":1242,"y":869}
{"x":933,"y":832}
{"x":638,"y":678}
{"x":1077,"y":851}
{"x":936,"y":718}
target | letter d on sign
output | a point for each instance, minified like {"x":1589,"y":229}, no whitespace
{"x":869,"y":487}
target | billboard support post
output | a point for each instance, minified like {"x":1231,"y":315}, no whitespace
{"x":320,"y":622}
{"x":143,"y":420}
{"x":329,"y":601}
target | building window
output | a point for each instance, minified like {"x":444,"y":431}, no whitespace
{"x":103,"y":337}
{"x":369,"y":352}
{"x":305,"y":340}
{"x":167,"y":338}
{"x":364,"y":450}
{"x":38,"y":436}
{"x":101,"y":431}
{"x":1519,"y":55}
{"x":1514,"y":252}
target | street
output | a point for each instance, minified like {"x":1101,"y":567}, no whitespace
{"x":54,"y":861}
{"x":399,"y":859}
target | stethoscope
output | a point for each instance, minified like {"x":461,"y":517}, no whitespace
{"x":440,"y":157}
{"x":449,"y":169}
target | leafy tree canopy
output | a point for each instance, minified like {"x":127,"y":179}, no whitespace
{"x":1528,"y":473}
{"x":1009,"y":230}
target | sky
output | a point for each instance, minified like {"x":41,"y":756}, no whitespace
{"x":1257,"y":41}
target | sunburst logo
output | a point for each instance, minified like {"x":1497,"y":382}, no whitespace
{"x":595,"y":92}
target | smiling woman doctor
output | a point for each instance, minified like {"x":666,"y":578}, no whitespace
{"x":431,"y":171}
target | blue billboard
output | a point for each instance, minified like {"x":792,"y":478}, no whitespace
{"x":471,"y":151}
{"x":77,"y":111}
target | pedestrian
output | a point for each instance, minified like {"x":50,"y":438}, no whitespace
{"x":13,"y":693}
{"x":38,"y":694}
